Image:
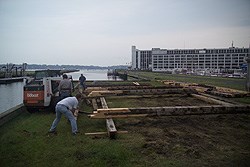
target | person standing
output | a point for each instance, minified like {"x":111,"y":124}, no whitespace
{"x":67,"y":107}
{"x":65,"y":87}
{"x":82,"y":80}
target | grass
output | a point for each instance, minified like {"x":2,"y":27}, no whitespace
{"x":233,"y":83}
{"x":25,"y":142}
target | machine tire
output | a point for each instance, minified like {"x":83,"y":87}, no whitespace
{"x":53,"y":103}
{"x":32,"y":109}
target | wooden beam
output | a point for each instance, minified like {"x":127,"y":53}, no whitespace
{"x":103,"y":116}
{"x":136,"y":83}
{"x":104,"y":93}
{"x":111,"y":129}
{"x":173,"y":111}
{"x":106,"y":110}
{"x":104,"y":103}
{"x":94,"y":104}
{"x":104,"y":133}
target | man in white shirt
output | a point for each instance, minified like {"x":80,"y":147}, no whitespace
{"x":67,"y":107}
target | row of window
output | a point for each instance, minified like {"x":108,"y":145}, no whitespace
{"x":196,"y":51}
{"x":228,"y":66}
{"x":198,"y":56}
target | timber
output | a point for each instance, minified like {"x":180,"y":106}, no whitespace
{"x":105,"y":133}
{"x":111,"y":129}
{"x":94,"y":104}
{"x":102,"y":93}
{"x":173,"y":111}
{"x":105,"y":110}
{"x":104,"y":104}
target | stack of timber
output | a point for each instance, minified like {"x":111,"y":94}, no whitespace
{"x":217,"y":91}
{"x":226,"y":92}
{"x":148,"y":91}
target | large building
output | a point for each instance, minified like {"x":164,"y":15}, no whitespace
{"x":141,"y":59}
{"x":158,"y":59}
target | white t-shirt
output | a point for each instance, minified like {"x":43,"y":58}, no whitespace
{"x":70,"y":102}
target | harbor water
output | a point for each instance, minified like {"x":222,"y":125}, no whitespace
{"x":93,"y":75}
{"x":12,"y":94}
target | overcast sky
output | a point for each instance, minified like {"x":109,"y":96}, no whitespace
{"x":101,"y":32}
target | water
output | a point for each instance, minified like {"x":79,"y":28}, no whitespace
{"x":11,"y":95}
{"x":92,"y":75}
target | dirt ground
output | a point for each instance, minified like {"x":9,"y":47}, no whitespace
{"x":173,"y":100}
{"x":211,"y":140}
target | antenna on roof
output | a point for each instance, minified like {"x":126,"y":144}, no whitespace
{"x":232,"y":44}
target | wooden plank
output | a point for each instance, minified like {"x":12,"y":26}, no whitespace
{"x":103,"y":116}
{"x":104,"y":93}
{"x":112,"y":110}
{"x":104,"y":103}
{"x":104,"y":133}
{"x":97,"y":133}
{"x":136,"y":83}
{"x":111,"y":129}
{"x":174,"y":111}
{"x":94,"y":104}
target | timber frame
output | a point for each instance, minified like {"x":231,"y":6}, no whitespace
{"x":96,"y":95}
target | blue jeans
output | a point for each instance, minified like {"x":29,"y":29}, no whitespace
{"x":61,"y":109}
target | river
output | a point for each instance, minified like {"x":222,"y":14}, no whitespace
{"x":93,"y":75}
{"x":11,"y":95}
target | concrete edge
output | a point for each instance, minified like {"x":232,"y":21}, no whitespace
{"x":11,"y":113}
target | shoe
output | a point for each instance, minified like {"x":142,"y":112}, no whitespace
{"x":75,"y":133}
{"x":52,"y":132}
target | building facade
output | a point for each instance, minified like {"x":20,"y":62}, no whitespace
{"x":141,"y":59}
{"x":190,"y":59}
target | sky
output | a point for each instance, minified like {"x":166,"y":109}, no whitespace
{"x":102,"y":32}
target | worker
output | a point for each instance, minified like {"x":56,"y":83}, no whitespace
{"x":72,"y":82}
{"x":82,"y":85}
{"x":65,"y":87}
{"x":67,"y":106}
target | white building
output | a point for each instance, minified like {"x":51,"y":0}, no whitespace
{"x":190,"y":59}
{"x":141,"y":59}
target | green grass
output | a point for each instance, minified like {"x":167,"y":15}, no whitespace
{"x":25,"y":142}
{"x":233,"y":83}
{"x":244,"y":100}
